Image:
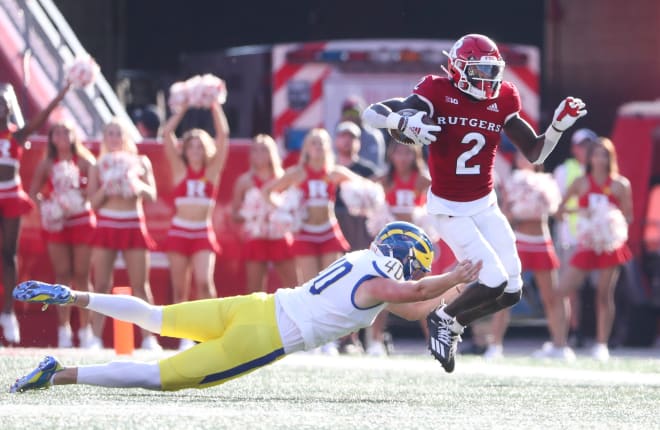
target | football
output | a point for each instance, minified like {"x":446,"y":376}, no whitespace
{"x":399,"y":136}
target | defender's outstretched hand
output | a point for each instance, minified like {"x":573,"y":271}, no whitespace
{"x":467,"y":271}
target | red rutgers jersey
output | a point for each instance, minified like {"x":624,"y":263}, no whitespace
{"x":10,"y":149}
{"x":317,"y":188}
{"x":403,"y":197}
{"x":195,"y":188}
{"x":461,"y":159}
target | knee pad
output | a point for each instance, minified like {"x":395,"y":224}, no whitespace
{"x":509,"y":299}
{"x":494,"y":291}
{"x":514,"y":284}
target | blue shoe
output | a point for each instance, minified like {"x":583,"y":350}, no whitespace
{"x":43,"y":292}
{"x":39,"y":378}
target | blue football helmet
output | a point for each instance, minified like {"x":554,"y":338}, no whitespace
{"x":407,"y":243}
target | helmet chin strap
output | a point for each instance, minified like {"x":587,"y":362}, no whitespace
{"x":445,"y":70}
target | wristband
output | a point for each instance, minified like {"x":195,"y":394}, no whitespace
{"x":394,"y":121}
{"x":553,"y":134}
{"x":551,"y":138}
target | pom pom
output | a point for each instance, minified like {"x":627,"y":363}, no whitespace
{"x":280,"y":223}
{"x":532,"y":195}
{"x":82,"y":71}
{"x":266,"y":221}
{"x":254,"y":211}
{"x":200,"y":91}
{"x":363,"y":197}
{"x":52,"y":215}
{"x":120,"y":173}
{"x":71,"y":201}
{"x":603,"y":229}
{"x":178,"y":96}
{"x":377,"y":219}
{"x":65,"y":175}
{"x":212,"y":89}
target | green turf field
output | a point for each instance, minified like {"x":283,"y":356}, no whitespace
{"x":319,"y":392}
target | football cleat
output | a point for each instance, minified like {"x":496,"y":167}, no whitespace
{"x":443,"y":341}
{"x":39,"y":378}
{"x":43,"y":292}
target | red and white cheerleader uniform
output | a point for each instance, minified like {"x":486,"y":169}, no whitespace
{"x":318,"y":190}
{"x":536,"y":252}
{"x":189,"y":237}
{"x":119,"y":229}
{"x":79,"y":225}
{"x":588,"y":259}
{"x":267,"y":249}
{"x":14,"y":201}
{"x":403,"y":197}
{"x":122,"y":230}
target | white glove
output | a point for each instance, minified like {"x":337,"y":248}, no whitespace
{"x":568,"y":111}
{"x":413,"y":127}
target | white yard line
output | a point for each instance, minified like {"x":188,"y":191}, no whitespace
{"x":554,"y":371}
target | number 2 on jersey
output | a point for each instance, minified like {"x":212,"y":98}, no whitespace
{"x":461,"y":161}
{"x":330,"y":275}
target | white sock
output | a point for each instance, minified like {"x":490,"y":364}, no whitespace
{"x":457,"y":327}
{"x":442,"y":314}
{"x":121,"y":374}
{"x":128,"y":308}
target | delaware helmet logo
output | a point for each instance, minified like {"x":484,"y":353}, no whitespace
{"x":407,"y":243}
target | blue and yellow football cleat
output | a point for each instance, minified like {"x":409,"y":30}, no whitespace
{"x":39,"y":378}
{"x":43,"y":292}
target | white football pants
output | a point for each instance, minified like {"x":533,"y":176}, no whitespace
{"x":486,"y":236}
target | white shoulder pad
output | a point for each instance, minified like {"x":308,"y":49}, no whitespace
{"x":388,"y":267}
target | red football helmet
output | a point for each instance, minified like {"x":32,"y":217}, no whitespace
{"x":476,"y":66}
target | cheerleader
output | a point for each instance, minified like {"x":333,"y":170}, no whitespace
{"x":529,"y":198}
{"x":605,"y":211}
{"x":267,"y":240}
{"x":320,"y":240}
{"x":118,"y":184}
{"x":406,"y":181}
{"x":405,"y":184}
{"x":14,"y":201}
{"x":67,"y":220}
{"x":196,"y":169}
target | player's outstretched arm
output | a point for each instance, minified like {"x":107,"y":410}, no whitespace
{"x":384,"y":115}
{"x":412,"y":299}
{"x":377,"y":113}
{"x":537,"y":148}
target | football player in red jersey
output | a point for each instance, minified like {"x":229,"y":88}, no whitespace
{"x":471,"y":106}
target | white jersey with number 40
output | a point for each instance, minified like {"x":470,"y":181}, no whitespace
{"x":323,"y":308}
